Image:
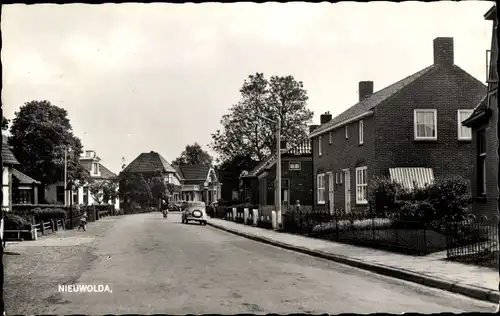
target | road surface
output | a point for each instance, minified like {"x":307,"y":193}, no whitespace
{"x":153,"y":265}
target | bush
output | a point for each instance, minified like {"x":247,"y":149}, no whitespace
{"x":447,"y":197}
{"x":384,"y":193}
{"x":14,"y":222}
{"x":46,"y":214}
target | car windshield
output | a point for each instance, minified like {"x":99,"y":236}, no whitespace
{"x":196,"y":204}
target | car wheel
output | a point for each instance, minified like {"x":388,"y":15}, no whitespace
{"x":204,"y":223}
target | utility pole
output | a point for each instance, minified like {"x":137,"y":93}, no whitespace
{"x":278,"y":167}
{"x":65,"y":175}
{"x":278,"y":171}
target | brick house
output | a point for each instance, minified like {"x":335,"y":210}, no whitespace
{"x":410,"y":130}
{"x":483,"y":122}
{"x":8,"y":163}
{"x":151,"y":164}
{"x":296,"y":177}
{"x":198,"y":183}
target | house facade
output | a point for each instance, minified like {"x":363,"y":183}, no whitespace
{"x":410,"y":131}
{"x":81,"y":195}
{"x":8,"y":164}
{"x":258,"y":185}
{"x":151,"y":164}
{"x":198,"y":183}
{"x":483,"y":122}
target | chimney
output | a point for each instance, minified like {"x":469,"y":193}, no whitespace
{"x":443,"y":51}
{"x":312,"y":128}
{"x":325,"y":118}
{"x":365,"y":89}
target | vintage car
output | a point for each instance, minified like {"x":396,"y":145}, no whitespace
{"x":194,"y":211}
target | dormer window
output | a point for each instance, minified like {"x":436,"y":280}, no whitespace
{"x":95,"y":168}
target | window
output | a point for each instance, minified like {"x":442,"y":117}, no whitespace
{"x":95,"y":168}
{"x":330,"y":138}
{"x":464,"y":132}
{"x":23,"y":196}
{"x":361,"y":185}
{"x":346,"y":132}
{"x":294,"y":166}
{"x":481,"y":163}
{"x":60,"y":194}
{"x":75,"y":196}
{"x":321,"y":188}
{"x":86,"y":195}
{"x":169,"y":178}
{"x":425,"y":122}
{"x":319,"y":145}
{"x":360,"y":132}
{"x":336,"y":178}
{"x":340,"y":177}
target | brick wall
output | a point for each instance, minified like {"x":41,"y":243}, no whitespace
{"x":446,"y":89}
{"x":300,"y":181}
{"x":341,"y":154}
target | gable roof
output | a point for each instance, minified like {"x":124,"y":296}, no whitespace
{"x":22,"y":178}
{"x":302,"y":149}
{"x":372,"y":101}
{"x":8,"y":157}
{"x":106,"y":174}
{"x":149,"y":162}
{"x":193,"y":172}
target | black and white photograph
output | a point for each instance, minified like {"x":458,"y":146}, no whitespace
{"x":250,"y":158}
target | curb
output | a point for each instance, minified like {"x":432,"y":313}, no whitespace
{"x":470,"y":291}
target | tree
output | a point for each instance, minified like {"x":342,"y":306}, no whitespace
{"x":134,"y":188}
{"x":40,"y":133}
{"x":244,"y":134}
{"x":5,"y":123}
{"x":193,"y":155}
{"x":96,"y":189}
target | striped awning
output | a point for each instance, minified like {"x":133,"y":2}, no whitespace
{"x":409,"y":177}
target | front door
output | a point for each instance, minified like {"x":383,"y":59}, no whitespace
{"x":330,"y":192}
{"x":347,"y":185}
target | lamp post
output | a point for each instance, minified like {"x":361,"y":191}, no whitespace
{"x":70,"y":187}
{"x":278,"y":165}
{"x":66,"y":151}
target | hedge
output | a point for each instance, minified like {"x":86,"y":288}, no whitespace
{"x":48,"y":213}
{"x":14,"y":221}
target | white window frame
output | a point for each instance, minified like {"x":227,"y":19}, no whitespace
{"x":482,"y":168}
{"x":336,"y":178}
{"x":330,"y":138}
{"x":320,"y":144}
{"x":415,"y":112}
{"x":347,"y":132}
{"x":363,"y":186}
{"x":95,"y":168}
{"x":320,"y":188}
{"x":360,"y":132}
{"x":460,"y":126}
{"x":294,"y":163}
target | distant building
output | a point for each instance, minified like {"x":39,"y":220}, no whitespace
{"x":198,"y":183}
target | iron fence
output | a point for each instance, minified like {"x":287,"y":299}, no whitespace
{"x":399,"y":232}
{"x":472,"y":239}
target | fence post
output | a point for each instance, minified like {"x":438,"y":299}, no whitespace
{"x":53,"y":226}
{"x":255,"y":216}
{"x":42,"y":227}
{"x":245,"y":215}
{"x":34,"y":234}
{"x":273,"y":219}
{"x":234,"y":214}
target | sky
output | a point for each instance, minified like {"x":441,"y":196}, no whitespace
{"x":141,"y":77}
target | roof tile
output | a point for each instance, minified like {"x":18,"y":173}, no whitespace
{"x":149,"y":162}
{"x":373,"y":100}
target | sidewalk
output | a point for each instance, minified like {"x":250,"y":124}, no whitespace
{"x":431,"y":270}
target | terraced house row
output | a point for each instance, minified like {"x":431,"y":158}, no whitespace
{"x":436,"y":123}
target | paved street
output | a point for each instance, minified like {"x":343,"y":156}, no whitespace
{"x":154,"y":265}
